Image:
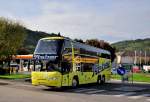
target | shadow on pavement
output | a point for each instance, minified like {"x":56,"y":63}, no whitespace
{"x":2,"y":83}
{"x":106,"y":89}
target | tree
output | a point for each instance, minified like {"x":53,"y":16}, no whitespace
{"x":12,"y":35}
{"x":59,"y":34}
{"x":79,"y":40}
{"x":102,"y":44}
{"x":23,"y":51}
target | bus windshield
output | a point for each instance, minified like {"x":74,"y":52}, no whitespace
{"x":48,"y":47}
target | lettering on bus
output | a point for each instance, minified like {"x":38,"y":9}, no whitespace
{"x":45,"y":56}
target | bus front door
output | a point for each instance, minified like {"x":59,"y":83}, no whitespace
{"x":65,"y":73}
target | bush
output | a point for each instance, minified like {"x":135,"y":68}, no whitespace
{"x":2,"y":71}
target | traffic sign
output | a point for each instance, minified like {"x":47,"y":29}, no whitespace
{"x":121,"y":71}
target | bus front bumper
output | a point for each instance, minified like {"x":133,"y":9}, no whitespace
{"x":56,"y":83}
{"x":46,"y":78}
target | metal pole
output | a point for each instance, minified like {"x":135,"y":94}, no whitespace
{"x":140,"y":59}
{"x":132,"y":75}
{"x":135,"y":58}
{"x":145,"y":58}
{"x":34,"y":62}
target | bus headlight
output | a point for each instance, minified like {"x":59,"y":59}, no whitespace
{"x":33,"y":78}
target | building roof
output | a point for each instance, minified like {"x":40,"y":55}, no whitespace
{"x":23,"y":57}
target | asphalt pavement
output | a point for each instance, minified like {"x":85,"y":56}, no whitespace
{"x":21,"y":91}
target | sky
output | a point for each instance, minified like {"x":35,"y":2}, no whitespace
{"x":109,"y":20}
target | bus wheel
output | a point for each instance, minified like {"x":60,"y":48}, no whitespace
{"x":99,"y":80}
{"x":74,"y":82}
{"x":103,"y":80}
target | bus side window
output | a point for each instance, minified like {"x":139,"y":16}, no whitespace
{"x":67,"y":47}
{"x":87,"y":67}
{"x":100,"y":67}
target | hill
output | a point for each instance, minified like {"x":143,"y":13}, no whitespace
{"x":32,"y":38}
{"x":131,"y":45}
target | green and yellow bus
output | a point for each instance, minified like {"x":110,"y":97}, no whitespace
{"x":64,"y":62}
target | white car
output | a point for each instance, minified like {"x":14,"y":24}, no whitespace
{"x":114,"y":71}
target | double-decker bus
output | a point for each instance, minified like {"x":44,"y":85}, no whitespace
{"x":64,"y":62}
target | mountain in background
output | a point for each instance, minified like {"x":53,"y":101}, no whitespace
{"x":31,"y":40}
{"x":131,"y":45}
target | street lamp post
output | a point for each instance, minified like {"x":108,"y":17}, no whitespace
{"x":145,"y":58}
{"x":140,"y":60}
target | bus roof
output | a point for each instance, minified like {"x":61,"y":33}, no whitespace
{"x":92,"y":48}
{"x":51,"y":38}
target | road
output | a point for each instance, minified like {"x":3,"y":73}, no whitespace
{"x":110,"y":92}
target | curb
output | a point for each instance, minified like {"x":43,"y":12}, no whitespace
{"x":129,"y":82}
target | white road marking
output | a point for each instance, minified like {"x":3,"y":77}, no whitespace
{"x":132,"y":95}
{"x":125,"y":94}
{"x":95,"y":91}
{"x":146,"y":95}
{"x":78,"y":89}
{"x":139,"y":96}
{"x":129,"y":88}
{"x":83,"y":90}
{"x":135,"y":97}
{"x":148,"y":100}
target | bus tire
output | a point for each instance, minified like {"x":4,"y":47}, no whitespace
{"x":103,"y":79}
{"x":99,"y":80}
{"x":75,"y":82}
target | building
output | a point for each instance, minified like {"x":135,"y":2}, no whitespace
{"x":130,"y":58}
{"x":24,"y":62}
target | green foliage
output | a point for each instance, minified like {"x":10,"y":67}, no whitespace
{"x":33,"y":37}
{"x":131,"y":45}
{"x":15,"y":76}
{"x":138,"y":77}
{"x":79,"y":40}
{"x":102,"y":44}
{"x":23,"y":51}
{"x":12,"y":35}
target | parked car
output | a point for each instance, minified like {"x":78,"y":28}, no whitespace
{"x":114,"y":71}
{"x":136,"y":69}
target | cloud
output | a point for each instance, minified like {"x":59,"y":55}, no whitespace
{"x":109,"y":20}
